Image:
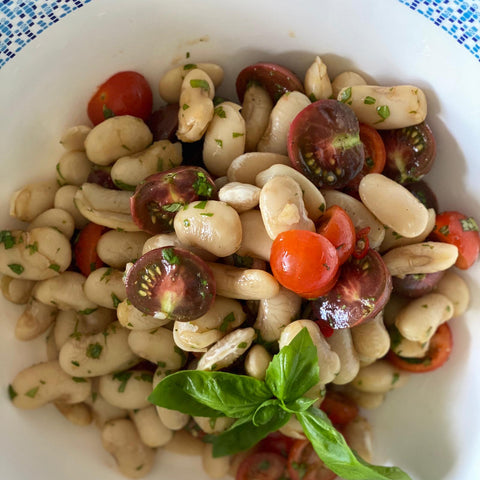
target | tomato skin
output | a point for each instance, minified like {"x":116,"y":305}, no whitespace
{"x":125,"y":93}
{"x":305,"y":464}
{"x":85,"y":250}
{"x":276,"y":442}
{"x":459,"y":230}
{"x":304,"y":262}
{"x":262,"y":466}
{"x":339,"y":408}
{"x":336,"y":226}
{"x":375,"y":155}
{"x":438,"y":353}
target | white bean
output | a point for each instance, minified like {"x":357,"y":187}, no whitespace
{"x":275,"y":313}
{"x":133,"y":319}
{"x":369,"y":401}
{"x":346,"y":79}
{"x":133,"y":457}
{"x":358,"y":434}
{"x":35,"y":320}
{"x":33,"y":199}
{"x":73,"y":168}
{"x":102,"y":411}
{"x":196,"y":105}
{"x":327,"y":359}
{"x":16,"y":290}
{"x":371,"y":339}
{"x":116,"y":137}
{"x":425,"y":257}
{"x":256,"y":108}
{"x":117,"y":248}
{"x":455,"y":288}
{"x":78,"y":413}
{"x":341,"y":343}
{"x":408,"y":348}
{"x":98,"y":354}
{"x":170,"y":83}
{"x":317,"y":84}
{"x":241,"y":196}
{"x":213,"y":425}
{"x":379,"y":377}
{"x":65,"y":200}
{"x":74,"y":137}
{"x":128,"y":171}
{"x":282,"y":207}
{"x":257,"y":361}
{"x":214,"y":467}
{"x":213,"y":226}
{"x":184,"y":443}
{"x":224,"y":139}
{"x":386,"y":107}
{"x":150,"y":428}
{"x":313,"y":198}
{"x":359,"y":214}
{"x":105,"y":287}
{"x":393,"y":205}
{"x":285,"y":110}
{"x":47,"y":382}
{"x":243,"y":283}
{"x":246,"y":167}
{"x":55,"y":218}
{"x":419,"y":320}
{"x":255,"y":239}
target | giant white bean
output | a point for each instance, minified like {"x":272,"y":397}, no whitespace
{"x":371,"y":339}
{"x":246,"y":167}
{"x":74,"y":137}
{"x":105,"y":287}
{"x":341,"y":343}
{"x":65,"y":200}
{"x":73,"y":168}
{"x":33,"y":199}
{"x":133,"y":319}
{"x":151,"y":429}
{"x":455,"y":288}
{"x":379,"y":377}
{"x":117,"y":248}
{"x":257,"y":361}
{"x":35,"y":320}
{"x":346,"y":79}
{"x":241,"y":196}
{"x":255,"y":240}
{"x":56,"y":218}
{"x":16,"y":290}
{"x":317,"y":84}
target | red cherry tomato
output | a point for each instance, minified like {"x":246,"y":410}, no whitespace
{"x":336,"y":226}
{"x":461,"y":231}
{"x":362,"y":243}
{"x":339,"y":408}
{"x":304,"y":262}
{"x":85,"y":250}
{"x":375,"y":155}
{"x":125,"y":93}
{"x":276,"y":442}
{"x":305,"y":464}
{"x":438,"y":352}
{"x":262,"y":466}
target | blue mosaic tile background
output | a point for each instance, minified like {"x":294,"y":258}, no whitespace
{"x":22,"y":21}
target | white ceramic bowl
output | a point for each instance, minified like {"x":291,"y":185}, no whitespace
{"x":431,"y":427}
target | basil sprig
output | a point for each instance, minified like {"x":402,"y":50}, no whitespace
{"x":262,"y":407}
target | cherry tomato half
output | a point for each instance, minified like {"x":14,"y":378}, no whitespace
{"x":410,"y":152}
{"x":262,"y":466}
{"x":305,"y":464}
{"x":125,"y":93}
{"x":438,"y":353}
{"x":171,"y":281}
{"x":375,"y":155}
{"x":336,"y":226}
{"x":339,"y":408}
{"x":274,"y":78}
{"x":276,"y":442}
{"x":362,"y":290}
{"x":85,"y":250}
{"x":459,"y":230}
{"x":304,"y":262}
{"x":324,"y":144}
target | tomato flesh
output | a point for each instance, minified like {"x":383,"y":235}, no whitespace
{"x":85,"y":250}
{"x":125,"y":93}
{"x":274,"y":78}
{"x":276,"y":442}
{"x":362,"y":290}
{"x":324,"y":144}
{"x":339,"y":408}
{"x":171,"y":281}
{"x":163,"y":123}
{"x":459,"y":230}
{"x":305,"y":464}
{"x":336,"y":226}
{"x":438,"y":353}
{"x":304,"y":262}
{"x":262,"y":466}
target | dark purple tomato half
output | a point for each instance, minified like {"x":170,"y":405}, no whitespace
{"x":163,"y":123}
{"x":324,"y":144}
{"x":275,"y":79}
{"x":424,"y":193}
{"x":101,"y":176}
{"x":160,"y":196}
{"x":416,"y":285}
{"x":171,"y":281}
{"x":410,"y":152}
{"x":362,"y":290}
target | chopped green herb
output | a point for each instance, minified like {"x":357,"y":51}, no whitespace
{"x":54,"y":266}
{"x":32,"y":392}
{"x":144,"y":377}
{"x":444,"y":230}
{"x":185,"y":106}
{"x":94,"y":350}
{"x":75,"y":363}
{"x":201,"y":205}
{"x":16,"y":268}
{"x":369,"y":100}
{"x":172,"y":207}
{"x":116,"y":301}
{"x":94,"y":396}
{"x":242,"y":345}
{"x":207,"y":214}
{"x":228,"y":319}
{"x":200,"y":83}
{"x":383,"y":112}
{"x":7,"y":239}
{"x":33,"y":247}
{"x":11,"y":392}
{"x":186,"y":222}
{"x":170,"y":257}
{"x":202,"y":187}
{"x":219,"y":142}
{"x":395,"y":378}
{"x":469,"y":225}
{"x":123,"y":378}
{"x":189,"y":66}
{"x":79,"y":379}
{"x":161,"y":364}
{"x":107,"y":113}
{"x":88,"y":311}
{"x":220,"y":112}
{"x":107,"y":273}
{"x":124,"y":186}
{"x":237,"y":134}
{"x":369,"y":162}
{"x":312,"y":97}
{"x":346,"y":95}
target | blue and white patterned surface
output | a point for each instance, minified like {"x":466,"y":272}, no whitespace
{"x":22,"y":21}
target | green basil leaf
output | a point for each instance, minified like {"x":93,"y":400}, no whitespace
{"x":243,"y":434}
{"x":265,"y":412}
{"x":332,"y":448}
{"x":210,"y":394}
{"x":294,"y":370}
{"x":299,"y":405}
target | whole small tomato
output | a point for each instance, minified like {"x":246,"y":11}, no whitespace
{"x":125,"y":93}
